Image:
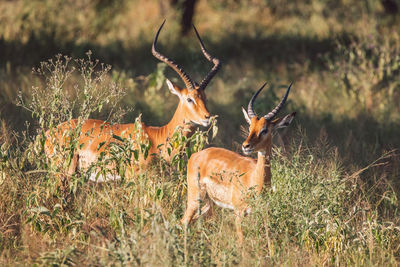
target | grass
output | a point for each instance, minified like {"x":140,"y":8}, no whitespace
{"x":335,"y":172}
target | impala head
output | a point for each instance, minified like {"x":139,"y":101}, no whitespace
{"x":261,"y":128}
{"x":192,"y":99}
{"x":192,"y":104}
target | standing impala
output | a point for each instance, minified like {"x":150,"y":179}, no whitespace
{"x":226,"y":177}
{"x":96,"y":134}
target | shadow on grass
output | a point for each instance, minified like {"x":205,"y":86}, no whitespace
{"x":262,"y":53}
{"x":265,"y":52}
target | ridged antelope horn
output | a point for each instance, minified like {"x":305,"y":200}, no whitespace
{"x":186,"y":79}
{"x":250,"y":110}
{"x":275,"y":111}
{"x":215,"y":61}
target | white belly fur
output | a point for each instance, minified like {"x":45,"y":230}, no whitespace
{"x":219,"y":194}
{"x":101,"y":179}
{"x":223,"y":205}
{"x":86,"y":159}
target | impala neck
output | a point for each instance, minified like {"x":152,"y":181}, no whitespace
{"x":159,"y":135}
{"x":263,"y":167}
{"x":177,"y":120}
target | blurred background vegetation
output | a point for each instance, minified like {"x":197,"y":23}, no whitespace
{"x":342,"y":55}
{"x":343,"y":58}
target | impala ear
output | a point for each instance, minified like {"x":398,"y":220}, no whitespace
{"x":173,"y":88}
{"x":246,"y":116}
{"x":283,"y":122}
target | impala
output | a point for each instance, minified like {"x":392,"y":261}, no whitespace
{"x":95,"y":135}
{"x":227,"y":177}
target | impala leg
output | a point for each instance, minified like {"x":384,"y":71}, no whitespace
{"x":192,"y":211}
{"x":196,"y":195}
{"x":238,"y":223}
{"x":70,"y":171}
{"x":192,"y":207}
{"x":204,"y":209}
{"x":72,"y":167}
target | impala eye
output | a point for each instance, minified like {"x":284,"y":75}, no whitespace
{"x":190,"y":101}
{"x":263,"y":131}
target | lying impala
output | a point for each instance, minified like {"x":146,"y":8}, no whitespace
{"x":95,"y":135}
{"x":226,"y":177}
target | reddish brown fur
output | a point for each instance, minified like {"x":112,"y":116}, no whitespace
{"x":94,"y":132}
{"x":227,"y":177}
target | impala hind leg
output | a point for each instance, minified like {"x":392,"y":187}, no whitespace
{"x":196,"y":197}
{"x":204,"y":208}
{"x":73,"y":166}
{"x":64,"y":179}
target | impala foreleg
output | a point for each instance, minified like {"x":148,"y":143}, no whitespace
{"x":238,"y":223}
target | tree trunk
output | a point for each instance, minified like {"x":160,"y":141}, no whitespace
{"x":187,"y":7}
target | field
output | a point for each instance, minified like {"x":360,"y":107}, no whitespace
{"x":335,"y":170}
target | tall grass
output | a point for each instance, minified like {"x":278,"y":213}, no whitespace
{"x":315,"y":209}
{"x":316,"y":214}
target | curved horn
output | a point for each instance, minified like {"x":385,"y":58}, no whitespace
{"x":215,"y":61}
{"x":275,"y":111}
{"x":250,"y":110}
{"x":186,"y":79}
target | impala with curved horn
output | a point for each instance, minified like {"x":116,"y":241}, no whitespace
{"x":226,"y":177}
{"x":191,"y":110}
